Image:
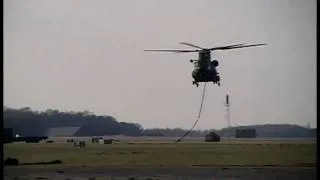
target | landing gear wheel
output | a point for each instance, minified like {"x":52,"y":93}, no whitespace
{"x":216,"y":82}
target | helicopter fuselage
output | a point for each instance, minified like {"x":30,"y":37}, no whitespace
{"x":205,"y":69}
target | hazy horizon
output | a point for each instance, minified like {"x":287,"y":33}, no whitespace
{"x":187,"y":128}
{"x":81,"y":55}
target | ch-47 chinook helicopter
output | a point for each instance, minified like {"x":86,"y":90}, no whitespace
{"x":205,"y":69}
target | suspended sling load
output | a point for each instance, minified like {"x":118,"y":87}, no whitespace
{"x":212,"y":137}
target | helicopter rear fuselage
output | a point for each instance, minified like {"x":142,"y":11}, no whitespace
{"x":205,"y":69}
{"x":204,"y":75}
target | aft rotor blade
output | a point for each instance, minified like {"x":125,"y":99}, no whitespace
{"x":236,"y":46}
{"x":177,"y":51}
{"x":192,"y":45}
{"x":243,"y":46}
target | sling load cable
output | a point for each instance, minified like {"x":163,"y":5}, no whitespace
{"x":199,"y":114}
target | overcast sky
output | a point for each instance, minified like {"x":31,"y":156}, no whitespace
{"x":88,"y":55}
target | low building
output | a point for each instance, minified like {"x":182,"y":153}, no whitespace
{"x":9,"y":138}
{"x":246,"y":133}
{"x":63,"y":131}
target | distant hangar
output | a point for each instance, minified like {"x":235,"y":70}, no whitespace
{"x":245,"y":133}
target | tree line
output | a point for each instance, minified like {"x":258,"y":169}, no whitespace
{"x":27,"y":122}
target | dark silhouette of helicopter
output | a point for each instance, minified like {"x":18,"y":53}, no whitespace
{"x":205,"y":70}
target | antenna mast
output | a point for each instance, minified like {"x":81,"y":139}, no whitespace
{"x":227,"y":104}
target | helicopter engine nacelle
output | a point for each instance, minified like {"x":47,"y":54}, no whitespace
{"x":215,"y":63}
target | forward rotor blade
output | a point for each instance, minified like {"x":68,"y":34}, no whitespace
{"x":192,"y":45}
{"x":176,"y":51}
{"x":235,"y":46}
{"x":219,"y":47}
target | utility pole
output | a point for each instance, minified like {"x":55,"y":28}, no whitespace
{"x":309,"y":129}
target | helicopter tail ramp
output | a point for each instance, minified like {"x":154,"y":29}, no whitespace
{"x":199,"y":114}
